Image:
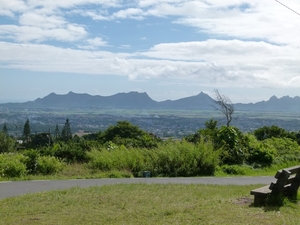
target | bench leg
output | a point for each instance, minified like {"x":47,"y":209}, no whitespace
{"x":260,"y":200}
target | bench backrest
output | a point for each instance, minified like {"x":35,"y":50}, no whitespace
{"x":288,"y":181}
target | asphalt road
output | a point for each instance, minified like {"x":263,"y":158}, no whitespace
{"x":16,"y":188}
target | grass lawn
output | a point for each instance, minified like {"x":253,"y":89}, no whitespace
{"x":145,"y":204}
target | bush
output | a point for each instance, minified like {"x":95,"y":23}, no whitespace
{"x":12,"y":165}
{"x":31,"y":160}
{"x":49,"y":165}
{"x":236,"y":169}
{"x":116,"y":158}
{"x":70,"y":152}
{"x":6,"y":143}
{"x":124,"y":133}
{"x":233,"y":145}
{"x":168,"y":159}
{"x":286,"y":149}
{"x":184,"y":159}
{"x":260,"y":154}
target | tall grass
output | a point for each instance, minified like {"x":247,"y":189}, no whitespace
{"x":168,"y":159}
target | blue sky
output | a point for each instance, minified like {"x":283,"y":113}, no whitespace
{"x":247,"y":49}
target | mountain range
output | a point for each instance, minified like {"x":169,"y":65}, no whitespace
{"x":136,"y":100}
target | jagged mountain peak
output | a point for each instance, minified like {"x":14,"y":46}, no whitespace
{"x":141,"y":100}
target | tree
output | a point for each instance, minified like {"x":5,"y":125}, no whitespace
{"x":40,"y":140}
{"x":26,"y":131}
{"x":66,"y":133}
{"x":6,"y":143}
{"x":209,"y":133}
{"x":4,"y":129}
{"x":56,"y":133}
{"x":124,"y":133}
{"x":269,"y":132}
{"x":224,"y":105}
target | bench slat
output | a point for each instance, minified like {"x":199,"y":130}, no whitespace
{"x":261,"y":191}
{"x":294,"y":169}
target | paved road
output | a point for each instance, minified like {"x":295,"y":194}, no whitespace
{"x":16,"y":188}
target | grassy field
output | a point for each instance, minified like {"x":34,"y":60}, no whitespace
{"x":145,"y":204}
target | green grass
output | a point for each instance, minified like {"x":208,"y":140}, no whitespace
{"x":145,"y":204}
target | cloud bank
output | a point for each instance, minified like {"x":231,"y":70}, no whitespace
{"x":251,"y":43}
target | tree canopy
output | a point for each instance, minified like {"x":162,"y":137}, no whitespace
{"x":66,"y":133}
{"x":26,"y":131}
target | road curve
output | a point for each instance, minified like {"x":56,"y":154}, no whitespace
{"x":16,"y":188}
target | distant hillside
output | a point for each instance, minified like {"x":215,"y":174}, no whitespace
{"x":131,"y":100}
{"x":274,"y":104}
{"x":136,"y":100}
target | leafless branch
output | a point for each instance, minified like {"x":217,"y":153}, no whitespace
{"x":224,"y":105}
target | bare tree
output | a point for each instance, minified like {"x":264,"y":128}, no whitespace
{"x":224,"y":105}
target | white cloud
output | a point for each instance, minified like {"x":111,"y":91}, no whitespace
{"x":212,"y":62}
{"x":93,"y":44}
{"x":9,"y":7}
{"x":42,"y":21}
{"x":130,"y":13}
{"x":71,"y":32}
{"x":95,"y":15}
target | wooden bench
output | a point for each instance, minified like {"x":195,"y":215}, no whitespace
{"x":287,"y":184}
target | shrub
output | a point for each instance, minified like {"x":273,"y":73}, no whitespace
{"x":235,"y":169}
{"x":233,"y":145}
{"x":286,"y":149}
{"x":116,"y":158}
{"x":49,"y":165}
{"x":124,"y":133}
{"x":184,"y":159}
{"x":70,"y":152}
{"x":31,"y":160}
{"x":168,"y":159}
{"x":6,"y":143}
{"x":261,"y":154}
{"x":12,"y":165}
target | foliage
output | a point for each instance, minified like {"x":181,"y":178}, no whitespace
{"x":40,"y":140}
{"x":261,"y":154}
{"x":171,"y":159}
{"x":26,"y":131}
{"x":269,"y":132}
{"x":70,"y":152}
{"x":57,"y":135}
{"x":49,"y":165}
{"x":31,"y":160}
{"x":6,"y":143}
{"x":124,"y":133}
{"x":286,"y":149}
{"x":236,"y":169}
{"x":11,"y":165}
{"x":66,"y":133}
{"x":233,"y":145}
{"x":209,"y":133}
{"x":92,"y":136}
{"x":4,"y":129}
{"x":185,"y":159}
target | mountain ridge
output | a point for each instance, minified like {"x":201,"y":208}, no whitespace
{"x":138,"y":100}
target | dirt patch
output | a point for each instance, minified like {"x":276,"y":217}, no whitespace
{"x":244,"y":201}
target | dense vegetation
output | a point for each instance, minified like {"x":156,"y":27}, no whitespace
{"x":125,"y":147}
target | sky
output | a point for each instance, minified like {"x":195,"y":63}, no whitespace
{"x":247,"y":49}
